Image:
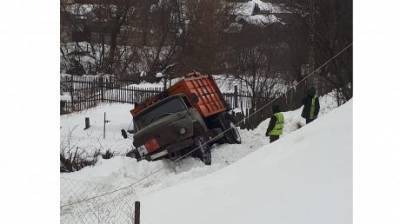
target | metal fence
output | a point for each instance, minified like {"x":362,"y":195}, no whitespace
{"x":85,"y":93}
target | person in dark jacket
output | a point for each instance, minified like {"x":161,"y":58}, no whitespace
{"x":311,"y":106}
{"x":275,"y":127}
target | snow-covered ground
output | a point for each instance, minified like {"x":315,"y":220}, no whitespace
{"x":267,"y":10}
{"x":304,"y":178}
{"x":246,"y":8}
{"x":73,"y":136}
{"x":108,"y":175}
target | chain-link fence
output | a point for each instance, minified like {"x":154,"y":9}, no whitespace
{"x":90,"y":202}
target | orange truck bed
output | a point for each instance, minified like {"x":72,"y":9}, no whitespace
{"x":209,"y":98}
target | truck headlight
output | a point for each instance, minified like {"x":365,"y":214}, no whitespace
{"x":151,"y":145}
{"x":182,"y":131}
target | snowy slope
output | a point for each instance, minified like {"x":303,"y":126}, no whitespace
{"x":119,"y":171}
{"x":305,"y":177}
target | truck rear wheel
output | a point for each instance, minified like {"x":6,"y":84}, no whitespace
{"x":232,"y":135}
{"x":203,"y":151}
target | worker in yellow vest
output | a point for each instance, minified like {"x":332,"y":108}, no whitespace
{"x":275,"y":127}
{"x":311,"y":106}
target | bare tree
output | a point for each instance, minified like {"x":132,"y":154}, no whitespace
{"x":164,"y":41}
{"x":255,"y":70}
{"x":331,"y":31}
{"x":206,"y":21}
{"x":112,"y":33}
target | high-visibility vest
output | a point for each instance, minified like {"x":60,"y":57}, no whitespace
{"x":312,"y":108}
{"x":278,"y":128}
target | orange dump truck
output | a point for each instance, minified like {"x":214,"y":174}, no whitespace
{"x":186,"y":119}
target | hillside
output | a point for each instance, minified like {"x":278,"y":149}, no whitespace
{"x":106,"y":175}
{"x":120,"y":171}
{"x":306,"y":177}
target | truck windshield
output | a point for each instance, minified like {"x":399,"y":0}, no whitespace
{"x":166,"y":108}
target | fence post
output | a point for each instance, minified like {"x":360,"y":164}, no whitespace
{"x":235,"y":97}
{"x":72,"y":93}
{"x":101,"y":84}
{"x":247,"y":120}
{"x":87,"y":123}
{"x":137,"y":212}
